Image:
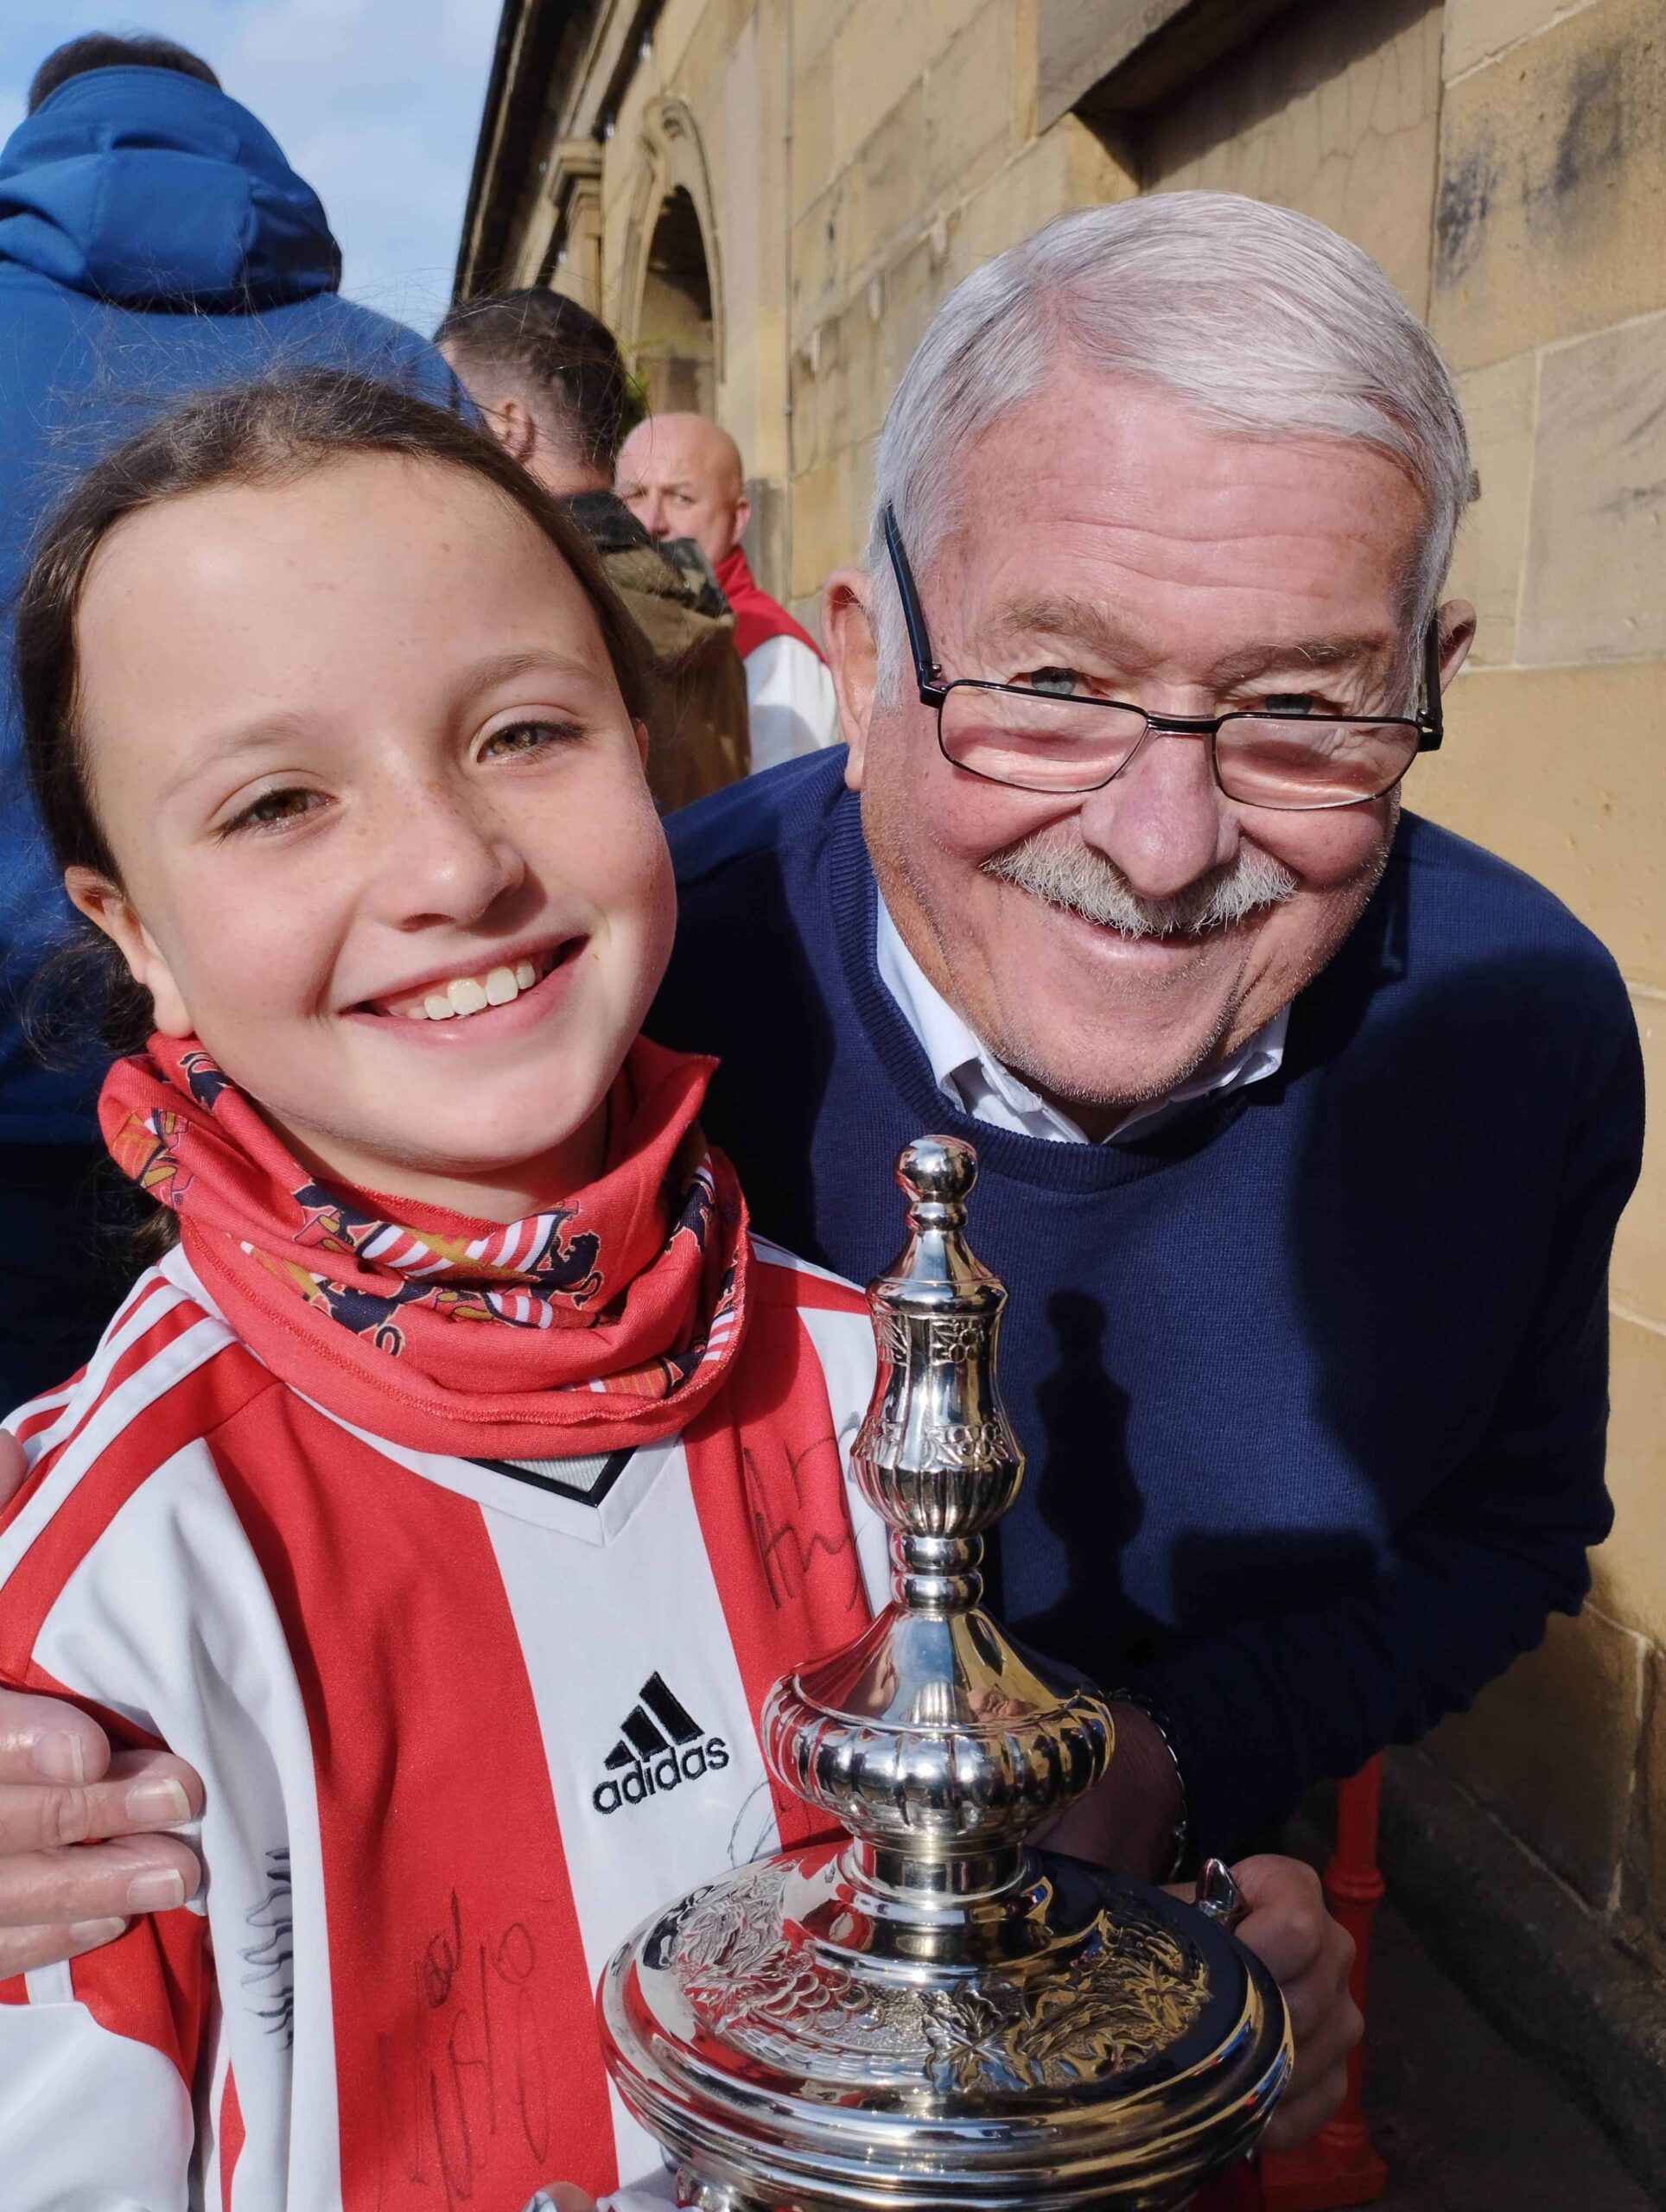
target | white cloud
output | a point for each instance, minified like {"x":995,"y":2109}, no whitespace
{"x":377,"y":103}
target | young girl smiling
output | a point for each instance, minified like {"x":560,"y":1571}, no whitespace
{"x":465,"y":1451}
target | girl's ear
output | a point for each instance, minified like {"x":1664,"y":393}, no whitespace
{"x":641,"y":730}
{"x":107,"y":907}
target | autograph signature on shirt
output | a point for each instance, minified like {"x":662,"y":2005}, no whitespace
{"x":776,"y":1497}
{"x":478,"y":2092}
{"x":270,"y":1961}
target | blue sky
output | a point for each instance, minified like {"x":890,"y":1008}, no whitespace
{"x":375,"y":102}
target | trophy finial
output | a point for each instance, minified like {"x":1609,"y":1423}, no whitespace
{"x":931,"y":1739}
{"x":937,"y":1171}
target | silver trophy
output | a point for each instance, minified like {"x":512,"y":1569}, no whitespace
{"x":926,"y":2011}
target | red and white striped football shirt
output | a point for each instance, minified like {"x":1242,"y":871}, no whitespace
{"x":462,"y":1725}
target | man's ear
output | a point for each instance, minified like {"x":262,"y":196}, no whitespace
{"x":512,"y":424}
{"x":108,"y":907}
{"x":742,"y":515}
{"x":1457,"y":620}
{"x":848,"y":636}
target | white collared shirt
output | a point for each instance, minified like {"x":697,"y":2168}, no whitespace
{"x":969,"y":1075}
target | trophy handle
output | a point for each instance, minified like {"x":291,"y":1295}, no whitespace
{"x":1218,"y":1895}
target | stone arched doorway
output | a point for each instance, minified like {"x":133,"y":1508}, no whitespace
{"x":672,"y":318}
{"x":675,"y":349}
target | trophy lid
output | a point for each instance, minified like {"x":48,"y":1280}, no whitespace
{"x":925,"y":2011}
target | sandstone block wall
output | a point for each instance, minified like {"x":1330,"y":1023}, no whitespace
{"x":1548,"y":299}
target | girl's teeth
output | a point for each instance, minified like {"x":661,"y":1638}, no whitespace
{"x":472,"y":993}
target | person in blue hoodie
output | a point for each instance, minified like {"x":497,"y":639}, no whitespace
{"x":152,"y":241}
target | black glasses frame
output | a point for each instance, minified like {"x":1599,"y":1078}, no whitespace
{"x":934,"y":691}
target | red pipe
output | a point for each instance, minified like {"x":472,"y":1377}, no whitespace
{"x":1340,"y":2166}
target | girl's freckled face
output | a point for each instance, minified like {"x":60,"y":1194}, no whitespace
{"x":379,"y":816}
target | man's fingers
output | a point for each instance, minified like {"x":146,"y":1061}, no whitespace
{"x":1325,"y":2021}
{"x":43,"y":1739}
{"x":1309,"y":1955}
{"x":560,"y":2197}
{"x":143,"y":1791}
{"x":105,"y":1881}
{"x":1321,"y":2010}
{"x":13,"y":1466}
{"x":1305,"y":2111}
{"x":1287,"y":1925}
{"x":1330,"y":2040}
{"x":22,"y":1949}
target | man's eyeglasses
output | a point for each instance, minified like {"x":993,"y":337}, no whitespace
{"x":1039,"y":740}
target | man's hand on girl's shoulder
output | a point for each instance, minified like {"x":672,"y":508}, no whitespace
{"x":80,"y":1850}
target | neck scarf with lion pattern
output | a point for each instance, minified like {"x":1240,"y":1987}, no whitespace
{"x":604,"y":1322}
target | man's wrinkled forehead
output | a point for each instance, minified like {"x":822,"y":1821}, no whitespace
{"x":1120,"y":455}
{"x":1121,"y":524}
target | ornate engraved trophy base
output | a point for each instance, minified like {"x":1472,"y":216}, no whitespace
{"x":924,"y":2014}
{"x":1123,"y":2064}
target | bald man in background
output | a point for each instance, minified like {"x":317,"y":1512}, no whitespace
{"x":681,"y":476}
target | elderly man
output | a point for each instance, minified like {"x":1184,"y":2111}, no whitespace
{"x":1304,"y":1125}
{"x":680,"y":476}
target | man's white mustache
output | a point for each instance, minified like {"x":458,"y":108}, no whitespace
{"x":1072,"y":875}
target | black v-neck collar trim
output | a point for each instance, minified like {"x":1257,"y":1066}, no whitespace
{"x":611,"y":1468}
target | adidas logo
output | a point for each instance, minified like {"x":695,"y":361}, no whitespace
{"x":660,"y":1747}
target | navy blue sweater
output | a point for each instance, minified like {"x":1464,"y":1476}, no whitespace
{"x":1312,"y":1380}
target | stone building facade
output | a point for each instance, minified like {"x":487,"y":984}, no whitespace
{"x":766,"y":199}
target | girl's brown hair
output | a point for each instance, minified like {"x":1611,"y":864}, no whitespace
{"x":270,"y":432}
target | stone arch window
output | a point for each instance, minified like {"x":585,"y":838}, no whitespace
{"x":672,"y":320}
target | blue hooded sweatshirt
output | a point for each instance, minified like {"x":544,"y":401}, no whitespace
{"x":154,"y":242}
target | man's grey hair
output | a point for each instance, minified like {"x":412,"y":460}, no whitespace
{"x":1261,"y":318}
